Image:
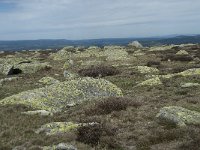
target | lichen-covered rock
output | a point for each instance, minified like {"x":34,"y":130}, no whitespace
{"x":89,"y":53}
{"x":48,"y":81}
{"x":190,"y":72}
{"x":29,"y":68}
{"x":6,"y":69}
{"x":178,"y":116}
{"x":146,"y":70}
{"x":68,"y":75}
{"x":161,"y":48}
{"x":61,"y":146}
{"x":57,"y":96}
{"x":151,"y":82}
{"x":63,"y":54}
{"x":57,"y":128}
{"x":135,"y":44}
{"x":188,"y":85}
{"x":115,"y":53}
{"x":38,"y":112}
{"x":182,"y":52}
{"x":8,"y":80}
{"x":68,"y":64}
{"x":9,"y":65}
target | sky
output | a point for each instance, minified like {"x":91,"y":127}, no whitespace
{"x":93,"y":19}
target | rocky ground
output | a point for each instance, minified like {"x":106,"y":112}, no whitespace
{"x":122,"y":98}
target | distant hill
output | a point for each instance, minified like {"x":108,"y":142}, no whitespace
{"x":56,"y":44}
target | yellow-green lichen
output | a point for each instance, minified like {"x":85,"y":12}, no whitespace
{"x":56,"y":96}
{"x":57,"y":128}
{"x":151,"y":82}
{"x":178,"y":115}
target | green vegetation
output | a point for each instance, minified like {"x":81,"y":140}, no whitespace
{"x":114,"y":108}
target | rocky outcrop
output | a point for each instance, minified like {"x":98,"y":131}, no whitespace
{"x":135,"y":44}
{"x":115,"y":53}
{"x":29,"y":68}
{"x":9,"y":66}
{"x":63,"y":54}
{"x":57,"y":96}
{"x":178,"y":116}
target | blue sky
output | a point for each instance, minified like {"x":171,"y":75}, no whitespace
{"x":87,"y":19}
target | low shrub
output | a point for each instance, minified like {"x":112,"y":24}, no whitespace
{"x":96,"y":71}
{"x":153,"y":63}
{"x":108,"y":105}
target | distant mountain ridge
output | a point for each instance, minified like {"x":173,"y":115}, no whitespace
{"x":59,"y":43}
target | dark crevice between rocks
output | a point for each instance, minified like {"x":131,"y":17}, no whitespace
{"x":14,"y":71}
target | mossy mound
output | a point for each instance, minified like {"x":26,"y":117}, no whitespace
{"x":178,"y":116}
{"x":57,"y":96}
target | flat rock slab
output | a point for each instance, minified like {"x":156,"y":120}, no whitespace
{"x":178,"y":116}
{"x":55,"y":97}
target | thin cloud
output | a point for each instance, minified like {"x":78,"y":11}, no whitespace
{"x":79,"y":19}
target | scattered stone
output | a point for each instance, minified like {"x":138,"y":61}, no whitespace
{"x":135,"y":44}
{"x":178,"y":116}
{"x":38,"y":112}
{"x":48,"y":81}
{"x":56,"y":96}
